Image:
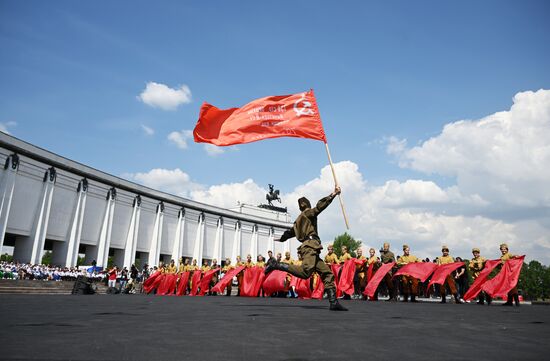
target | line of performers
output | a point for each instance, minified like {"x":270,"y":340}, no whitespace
{"x":365,"y":269}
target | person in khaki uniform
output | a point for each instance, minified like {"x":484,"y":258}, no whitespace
{"x":305,"y":230}
{"x":226,"y":268}
{"x":172,"y":268}
{"x":249,"y":262}
{"x":513,"y":294}
{"x":449,"y":281}
{"x":240,"y":276}
{"x":374,"y":262}
{"x":331,"y":257}
{"x":476,"y":265}
{"x":409,"y":283}
{"x":260,"y":261}
{"x":387,"y":256}
{"x":345,"y":255}
{"x":287,"y":259}
{"x":359,"y":279}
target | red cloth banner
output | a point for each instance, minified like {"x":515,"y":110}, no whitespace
{"x":378,"y":276}
{"x":475,"y":288}
{"x":442,"y":271}
{"x":164,"y":284}
{"x":506,"y":279}
{"x":195,"y":282}
{"x":205,"y":281}
{"x":319,"y":290}
{"x":345,"y":284}
{"x":182,"y":283}
{"x":302,"y":287}
{"x":252,"y":281}
{"x":335,"y":270}
{"x":152,"y":282}
{"x":420,"y":270}
{"x":294,"y":115}
{"x":227,"y":278}
{"x":274,"y":282}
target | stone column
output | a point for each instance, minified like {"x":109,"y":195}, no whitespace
{"x":177,"y":248}
{"x":106,"y":228}
{"x":156,"y":239}
{"x":199,"y":240}
{"x":237,"y":241}
{"x":132,"y":236}
{"x":7,"y":186}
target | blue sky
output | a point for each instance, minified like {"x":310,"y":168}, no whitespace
{"x":72,"y":73}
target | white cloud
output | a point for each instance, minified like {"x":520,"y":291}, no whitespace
{"x":147,"y":130}
{"x":227,"y":195}
{"x":5,"y":125}
{"x":504,"y":157}
{"x":213,"y":150}
{"x":173,"y":181}
{"x":180,"y":138}
{"x":158,"y":95}
{"x":395,"y":146}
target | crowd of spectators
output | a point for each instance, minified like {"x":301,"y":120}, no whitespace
{"x":26,"y":271}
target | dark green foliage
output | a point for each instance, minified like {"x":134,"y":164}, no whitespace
{"x":348,"y":241}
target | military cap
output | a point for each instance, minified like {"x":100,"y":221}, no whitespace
{"x":475,"y":250}
{"x":445,"y":248}
{"x":504,"y":245}
{"x":405,"y":246}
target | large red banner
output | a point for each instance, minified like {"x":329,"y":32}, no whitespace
{"x":252,"y":281}
{"x":221,"y":285}
{"x":475,"y":288}
{"x":183,"y":282}
{"x":372,"y":285}
{"x":274,"y":282}
{"x":205,"y":281}
{"x":420,"y":270}
{"x":506,"y":279}
{"x":442,"y":271}
{"x":294,"y":115}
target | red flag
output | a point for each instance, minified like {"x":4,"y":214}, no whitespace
{"x":372,"y":285}
{"x":182,"y":284}
{"x":335,"y":270}
{"x":274,"y":282}
{"x":345,"y":284}
{"x":152,"y":282}
{"x":205,"y":281}
{"x":442,"y":271}
{"x":294,"y":115}
{"x":195,"y":282}
{"x":228,"y":278}
{"x":506,"y":279}
{"x":475,"y":288}
{"x":163,"y":285}
{"x":252,"y":281}
{"x":420,"y":270}
{"x":319,"y":290}
{"x":301,"y":286}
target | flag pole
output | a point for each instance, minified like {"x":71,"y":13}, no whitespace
{"x":336,"y":185}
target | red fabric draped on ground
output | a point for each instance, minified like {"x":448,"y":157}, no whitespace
{"x":182,"y":283}
{"x":222,"y":284}
{"x":301,"y":286}
{"x":319,"y":289}
{"x":420,"y":270}
{"x":442,"y":271}
{"x":252,"y":281}
{"x":505,"y":280}
{"x":152,"y":282}
{"x":274,"y":282}
{"x":475,"y":288}
{"x":195,"y":283}
{"x":345,"y":284}
{"x":205,"y":281}
{"x":378,"y":276}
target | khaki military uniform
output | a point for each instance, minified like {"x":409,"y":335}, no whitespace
{"x":345,"y":257}
{"x":305,"y":230}
{"x":388,"y":257}
{"x":449,"y":281}
{"x":409,"y":283}
{"x":171,"y":269}
{"x":332,"y":259}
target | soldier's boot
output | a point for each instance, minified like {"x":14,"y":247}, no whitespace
{"x":489,"y":300}
{"x":413,"y":298}
{"x":333,"y":301}
{"x":516,"y":299}
{"x":273,"y":265}
{"x":405,"y":298}
{"x":457,"y":299}
{"x":508,"y":302}
{"x":481,"y":299}
{"x":443,"y":299}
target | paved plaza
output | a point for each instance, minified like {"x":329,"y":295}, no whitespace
{"x":139,"y":327}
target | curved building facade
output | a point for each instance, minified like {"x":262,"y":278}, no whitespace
{"x":51,"y":203}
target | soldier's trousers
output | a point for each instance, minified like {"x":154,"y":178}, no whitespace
{"x":311,"y":262}
{"x":410,"y":285}
{"x":448,"y":282}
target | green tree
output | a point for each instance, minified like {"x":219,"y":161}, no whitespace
{"x":80,"y":261}
{"x":348,"y":241}
{"x":47,"y":258}
{"x":6,"y":258}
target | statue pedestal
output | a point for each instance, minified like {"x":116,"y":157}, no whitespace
{"x":265,"y":211}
